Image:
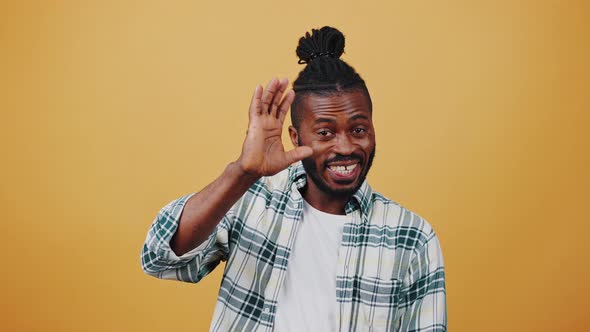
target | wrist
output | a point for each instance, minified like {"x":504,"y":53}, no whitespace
{"x":241,"y":175}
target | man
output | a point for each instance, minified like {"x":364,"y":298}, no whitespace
{"x":309,"y":245}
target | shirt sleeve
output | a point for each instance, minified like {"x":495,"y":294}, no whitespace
{"x":423,"y":301}
{"x":159,"y":260}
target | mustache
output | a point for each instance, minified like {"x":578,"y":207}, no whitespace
{"x":352,"y":157}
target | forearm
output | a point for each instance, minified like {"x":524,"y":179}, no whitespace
{"x":204,"y":210}
{"x":262,"y":154}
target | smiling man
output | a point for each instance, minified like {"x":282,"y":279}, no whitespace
{"x":337,"y":126}
{"x":308,"y":244}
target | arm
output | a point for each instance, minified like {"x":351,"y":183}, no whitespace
{"x":185,"y":231}
{"x":262,"y":154}
{"x":204,"y":210}
{"x":423,"y":304}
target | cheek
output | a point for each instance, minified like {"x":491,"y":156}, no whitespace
{"x":320,"y":151}
{"x":368,"y":147}
{"x":369,"y":142}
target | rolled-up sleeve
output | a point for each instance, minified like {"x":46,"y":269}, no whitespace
{"x":423,"y":304}
{"x":159,"y":260}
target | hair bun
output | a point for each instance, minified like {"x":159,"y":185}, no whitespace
{"x":326,"y":41}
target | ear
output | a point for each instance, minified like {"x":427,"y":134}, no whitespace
{"x":294,"y":136}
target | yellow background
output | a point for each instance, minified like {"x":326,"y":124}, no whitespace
{"x":110,"y":109}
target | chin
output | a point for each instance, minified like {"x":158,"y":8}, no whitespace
{"x":336,"y":188}
{"x":339,"y":177}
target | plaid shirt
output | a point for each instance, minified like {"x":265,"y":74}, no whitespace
{"x":390,"y":267}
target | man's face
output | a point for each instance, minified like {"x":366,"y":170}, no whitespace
{"x":340,"y":131}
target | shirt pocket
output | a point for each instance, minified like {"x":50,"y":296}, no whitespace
{"x":377,"y":299}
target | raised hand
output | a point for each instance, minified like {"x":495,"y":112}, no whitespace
{"x":263,"y":153}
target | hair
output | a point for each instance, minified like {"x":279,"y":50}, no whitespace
{"x":325,"y":74}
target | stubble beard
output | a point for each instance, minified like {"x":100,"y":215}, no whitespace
{"x":310,"y":168}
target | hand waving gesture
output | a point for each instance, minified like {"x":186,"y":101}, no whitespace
{"x":263,"y":153}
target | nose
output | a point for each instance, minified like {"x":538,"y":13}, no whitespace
{"x":344,"y":145}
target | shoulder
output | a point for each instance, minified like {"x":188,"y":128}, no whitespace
{"x":404,"y":222}
{"x":284,"y":180}
{"x":267,"y":186}
{"x":279,"y":181}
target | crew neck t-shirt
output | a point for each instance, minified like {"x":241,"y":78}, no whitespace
{"x":307,"y":299}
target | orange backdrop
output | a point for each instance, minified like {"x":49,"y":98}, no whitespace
{"x":110,"y":109}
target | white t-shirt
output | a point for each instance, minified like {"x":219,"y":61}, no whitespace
{"x":307,"y":299}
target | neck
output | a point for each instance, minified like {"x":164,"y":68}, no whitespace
{"x":323,"y":201}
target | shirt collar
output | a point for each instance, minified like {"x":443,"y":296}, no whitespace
{"x":362,"y":198}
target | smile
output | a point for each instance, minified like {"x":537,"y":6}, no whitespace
{"x":344,"y":172}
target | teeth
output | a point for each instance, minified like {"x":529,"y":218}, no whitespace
{"x":345,"y":170}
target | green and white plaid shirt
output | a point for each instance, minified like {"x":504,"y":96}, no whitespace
{"x":390,"y":267}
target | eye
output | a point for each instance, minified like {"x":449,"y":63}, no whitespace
{"x":359,"y":130}
{"x":324,"y":133}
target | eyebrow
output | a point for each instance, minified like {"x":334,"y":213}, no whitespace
{"x":358,"y":116}
{"x":320,"y":120}
{"x":352,"y":119}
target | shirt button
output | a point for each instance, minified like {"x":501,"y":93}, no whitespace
{"x":266,"y":310}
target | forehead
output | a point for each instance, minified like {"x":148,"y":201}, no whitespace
{"x":343,"y":105}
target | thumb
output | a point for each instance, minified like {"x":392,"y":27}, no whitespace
{"x":298,"y":153}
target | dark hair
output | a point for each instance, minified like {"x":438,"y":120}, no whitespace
{"x":325,"y":73}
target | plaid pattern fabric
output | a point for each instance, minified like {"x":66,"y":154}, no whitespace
{"x":390,"y":267}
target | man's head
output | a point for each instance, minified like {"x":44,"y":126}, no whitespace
{"x":332,"y":114}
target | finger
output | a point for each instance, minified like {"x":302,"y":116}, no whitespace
{"x":268,"y":93}
{"x":285,"y":105}
{"x":277,"y":97}
{"x":298,"y":153}
{"x":255,"y":108}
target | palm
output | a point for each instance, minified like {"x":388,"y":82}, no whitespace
{"x":263,"y":152}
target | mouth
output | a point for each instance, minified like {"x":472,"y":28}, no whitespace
{"x":344,"y":172}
